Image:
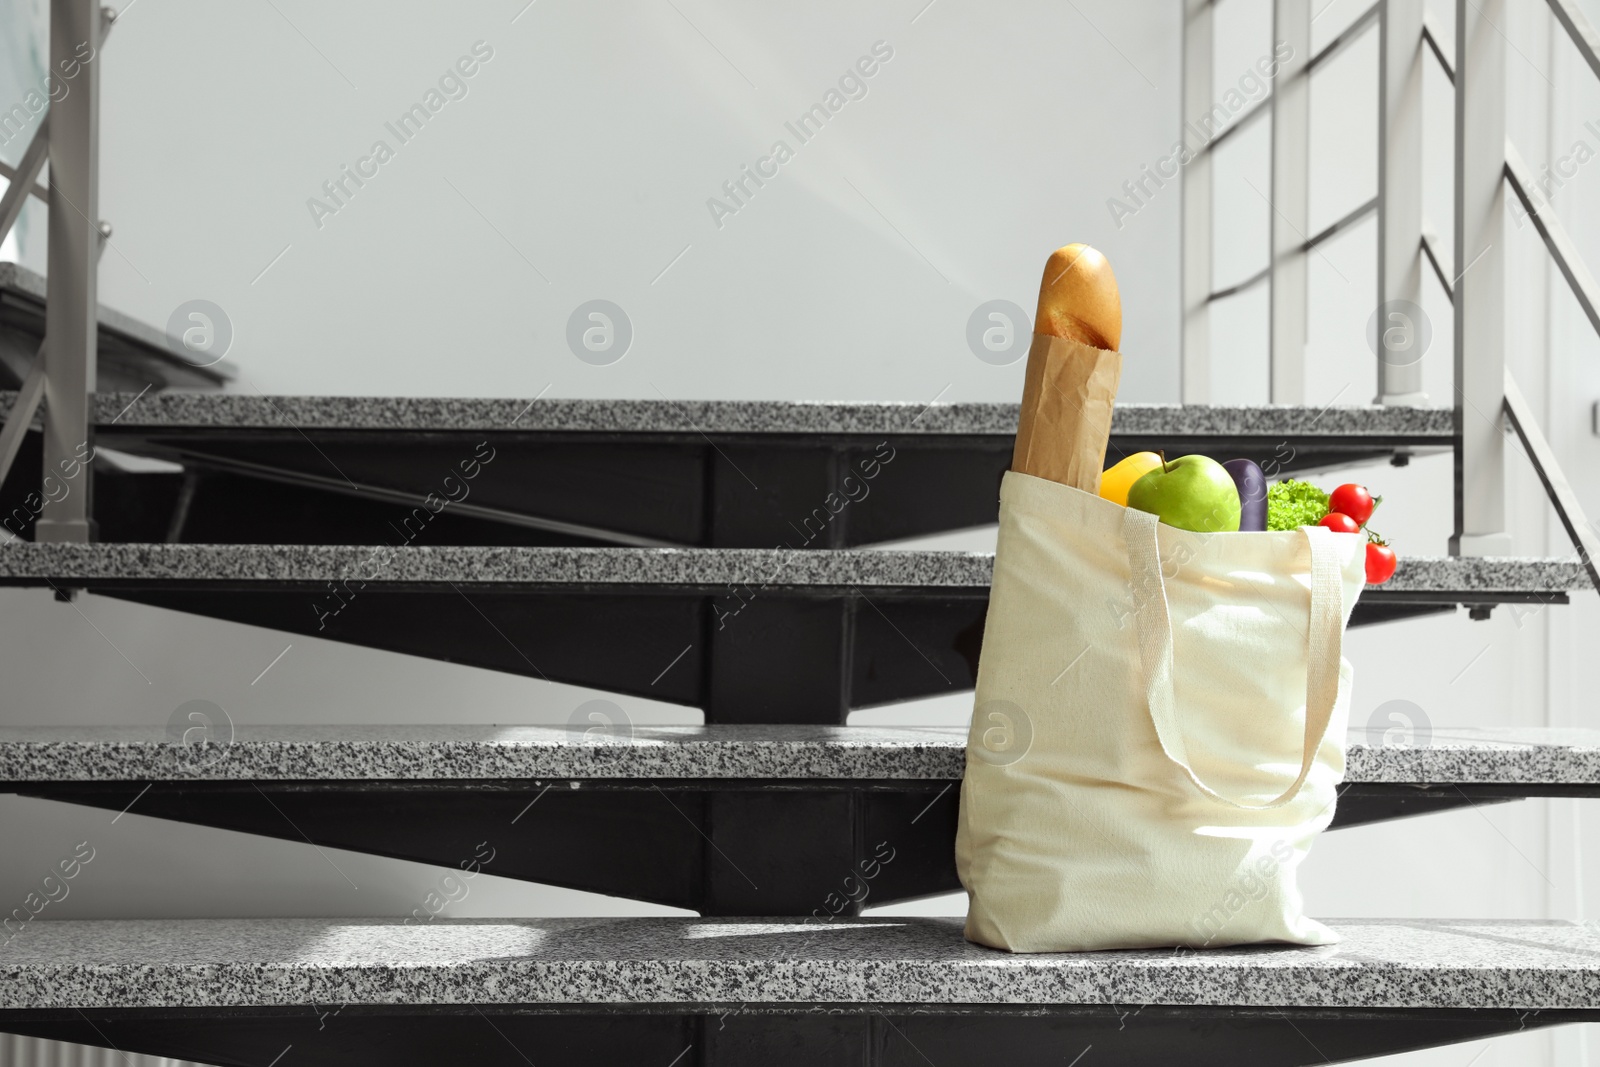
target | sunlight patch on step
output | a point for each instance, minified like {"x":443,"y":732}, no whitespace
{"x":455,"y":942}
{"x":705,"y":931}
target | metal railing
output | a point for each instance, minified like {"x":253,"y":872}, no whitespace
{"x":63,"y":374}
{"x":1479,"y":278}
{"x":1288,"y":106}
{"x":1486,"y":400}
{"x":1487,"y":163}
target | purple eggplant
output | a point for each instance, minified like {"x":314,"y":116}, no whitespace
{"x":1252,"y":486}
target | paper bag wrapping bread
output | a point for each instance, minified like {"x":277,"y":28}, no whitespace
{"x":1073,"y":371}
{"x":1067,"y":399}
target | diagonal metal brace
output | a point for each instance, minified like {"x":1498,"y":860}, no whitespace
{"x":1543,"y":457}
{"x":27,"y":405}
{"x":1562,"y":249}
{"x":23,"y":178}
{"x":1578,"y":29}
{"x":30,"y":396}
{"x":9,"y":173}
{"x":1442,"y":48}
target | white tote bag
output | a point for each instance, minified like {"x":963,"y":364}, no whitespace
{"x":1158,"y":732}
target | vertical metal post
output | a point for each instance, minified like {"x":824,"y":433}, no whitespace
{"x":1480,"y":280}
{"x":71,"y":297}
{"x":1195,"y":330}
{"x":1290,"y":200}
{"x":1399,"y":199}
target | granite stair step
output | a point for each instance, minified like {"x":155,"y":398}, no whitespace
{"x":1459,"y":755}
{"x":773,"y":991}
{"x":724,"y":820}
{"x":749,"y":635}
{"x":660,"y":472}
{"x":132,"y":354}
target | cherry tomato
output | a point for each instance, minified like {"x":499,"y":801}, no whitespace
{"x":1340,"y":523}
{"x":1380,"y":563}
{"x":1354,"y":501}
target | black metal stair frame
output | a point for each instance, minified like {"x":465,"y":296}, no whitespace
{"x":744,"y":1034}
{"x":730,"y":820}
{"x":748,"y":636}
{"x":725,"y":847}
{"x":306,"y":470}
{"x":669,"y":551}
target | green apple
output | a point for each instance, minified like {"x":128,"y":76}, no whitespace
{"x":1191,"y":492}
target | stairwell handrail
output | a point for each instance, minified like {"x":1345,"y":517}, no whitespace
{"x":1520,"y":179}
{"x":1518,"y":412}
{"x":1346,"y":37}
{"x":23,"y":179}
{"x":67,"y":137}
{"x":1286,"y":104}
{"x":1516,"y":175}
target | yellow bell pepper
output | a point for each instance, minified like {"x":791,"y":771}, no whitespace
{"x":1119,"y":478}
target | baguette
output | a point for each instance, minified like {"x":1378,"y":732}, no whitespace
{"x":1073,"y":371}
{"x":1078,"y":298}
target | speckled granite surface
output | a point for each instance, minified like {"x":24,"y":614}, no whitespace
{"x":694,"y":961}
{"x":1462,"y":754}
{"x":698,"y":567}
{"x":522,"y":752}
{"x":1513,"y":755}
{"x":1487,"y":574}
{"x":734,"y":416}
{"x":701,"y":567}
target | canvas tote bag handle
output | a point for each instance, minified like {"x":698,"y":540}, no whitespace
{"x":1153,"y":622}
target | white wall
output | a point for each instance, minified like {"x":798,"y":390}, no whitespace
{"x":585,"y":152}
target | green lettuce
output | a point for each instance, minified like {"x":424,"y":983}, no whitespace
{"x":1292,"y":504}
